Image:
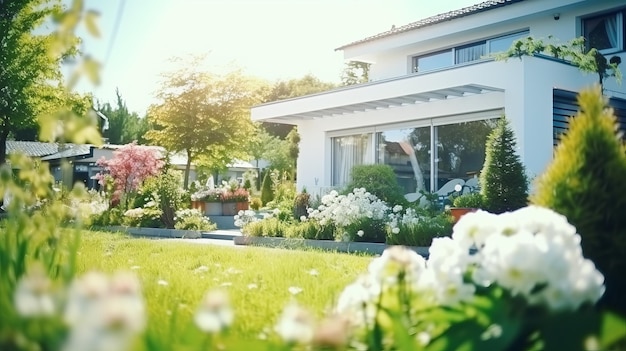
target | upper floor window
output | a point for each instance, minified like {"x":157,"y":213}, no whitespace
{"x":465,"y":53}
{"x":605,"y":32}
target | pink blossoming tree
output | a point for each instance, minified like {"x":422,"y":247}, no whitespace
{"x":128,"y":168}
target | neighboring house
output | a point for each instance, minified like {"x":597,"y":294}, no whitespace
{"x":82,"y":161}
{"x":435,"y":93}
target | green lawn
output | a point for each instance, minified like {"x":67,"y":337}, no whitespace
{"x":175,"y":276}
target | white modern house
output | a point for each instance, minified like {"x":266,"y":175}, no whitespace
{"x":435,"y":92}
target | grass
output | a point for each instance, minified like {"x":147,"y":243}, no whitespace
{"x":175,"y":276}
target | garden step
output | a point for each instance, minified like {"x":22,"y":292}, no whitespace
{"x":221,"y":234}
{"x":223,"y":222}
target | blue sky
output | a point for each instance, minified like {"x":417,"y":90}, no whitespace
{"x":271,"y":39}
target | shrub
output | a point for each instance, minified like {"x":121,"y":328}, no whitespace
{"x":267,"y":191}
{"x":112,"y":216}
{"x":166,"y":192}
{"x":351,"y":213}
{"x":270,"y":227}
{"x":192,"y":219}
{"x":471,"y":200}
{"x":503,"y":180}
{"x":585,"y":182}
{"x":255,"y":203}
{"x":310,"y":230}
{"x":410,"y":228}
{"x":379,"y":180}
{"x":301,"y":204}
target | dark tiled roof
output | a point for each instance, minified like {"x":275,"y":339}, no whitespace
{"x":70,"y":150}
{"x":31,"y":148}
{"x":466,"y":11}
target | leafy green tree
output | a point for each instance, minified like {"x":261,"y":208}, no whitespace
{"x":267,"y":189}
{"x":503,"y":180}
{"x":355,"y":72}
{"x":124,"y":126}
{"x":204,"y":115}
{"x":30,"y":75}
{"x":585,"y":183}
{"x":292,"y":88}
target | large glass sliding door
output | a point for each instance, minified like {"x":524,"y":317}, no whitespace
{"x":407,"y":151}
{"x":427,"y":157}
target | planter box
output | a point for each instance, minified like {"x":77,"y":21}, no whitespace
{"x":213,"y":209}
{"x":229,"y":209}
{"x":243,"y":206}
{"x":198,"y":205}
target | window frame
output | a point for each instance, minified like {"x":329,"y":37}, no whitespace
{"x":620,"y":26}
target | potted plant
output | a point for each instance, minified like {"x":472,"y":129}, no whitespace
{"x":234,"y":201}
{"x":465,"y":203}
{"x":211,"y":200}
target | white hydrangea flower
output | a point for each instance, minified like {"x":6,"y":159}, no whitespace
{"x":33,"y":294}
{"x":214,"y":313}
{"x":296,"y":325}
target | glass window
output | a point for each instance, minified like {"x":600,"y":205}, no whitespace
{"x":349,"y":151}
{"x":460,"y":150}
{"x":407,"y":151}
{"x":433,"y":61}
{"x":470,"y":53}
{"x":502,"y":44}
{"x":604,"y":32}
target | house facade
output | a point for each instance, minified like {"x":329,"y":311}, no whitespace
{"x":435,"y":92}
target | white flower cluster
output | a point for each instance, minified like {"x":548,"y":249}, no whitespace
{"x":134,"y":213}
{"x":104,"y":311}
{"x":397,"y":219}
{"x":187,"y":213}
{"x":533,"y":253}
{"x":343,"y":210}
{"x":242,"y":218}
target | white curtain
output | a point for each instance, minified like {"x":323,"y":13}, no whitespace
{"x":610,"y":25}
{"x":350,"y":151}
{"x":471,"y":53}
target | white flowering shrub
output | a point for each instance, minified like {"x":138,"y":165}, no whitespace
{"x":412,"y":228}
{"x":192,"y":219}
{"x":245,"y":217}
{"x":356,"y":216}
{"x":500,"y":282}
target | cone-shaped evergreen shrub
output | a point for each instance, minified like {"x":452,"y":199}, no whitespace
{"x":503,"y":180}
{"x":267,"y":191}
{"x":586,"y":182}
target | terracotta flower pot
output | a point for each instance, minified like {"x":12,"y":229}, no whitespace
{"x":458,"y":212}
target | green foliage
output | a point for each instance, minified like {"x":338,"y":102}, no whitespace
{"x":379,"y":180}
{"x":124,"y":126}
{"x":575,"y":51}
{"x":110,"y":217}
{"x":585,"y":182}
{"x":310,"y":230}
{"x":503,"y":180}
{"x":363,"y":230}
{"x":422,"y":232}
{"x":166,"y":192}
{"x":191,"y":219}
{"x":255,"y":203}
{"x":30,"y":74}
{"x":355,"y":72}
{"x":204,"y":114}
{"x":267,"y":190}
{"x":269,"y":227}
{"x":301,"y":204}
{"x":469,"y":200}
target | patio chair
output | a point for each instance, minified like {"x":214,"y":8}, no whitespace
{"x":448,"y":189}
{"x":471,"y":186}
